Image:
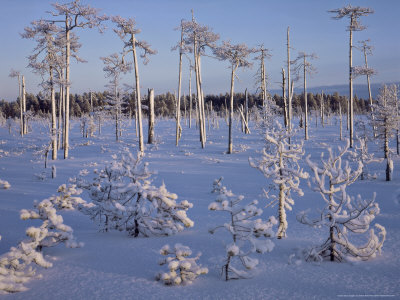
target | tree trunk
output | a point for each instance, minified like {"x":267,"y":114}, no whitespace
{"x":340,"y":120}
{"x":230,"y":144}
{"x":53,"y":117}
{"x":289,"y":83}
{"x":305,"y":103}
{"x":285,"y":108}
{"x":24,"y":105}
{"x":59,"y":125}
{"x":150,"y":139}
{"x":190,"y":98}
{"x":351,"y":119}
{"x":199,"y":94}
{"x":178,"y":102}
{"x":138,"y":99}
{"x":21,"y":107}
{"x":282,"y":214}
{"x":67,"y":58}
{"x":246,"y":112}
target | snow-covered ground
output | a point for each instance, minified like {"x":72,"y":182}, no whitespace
{"x":115,"y":266}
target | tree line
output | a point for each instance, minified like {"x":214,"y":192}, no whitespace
{"x":165,"y":104}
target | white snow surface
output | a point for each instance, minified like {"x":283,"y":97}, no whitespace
{"x":113,"y":265}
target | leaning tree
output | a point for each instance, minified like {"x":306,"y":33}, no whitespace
{"x":127,"y":31}
{"x":75,"y":15}
{"x":353,"y":13}
{"x":237,"y":55}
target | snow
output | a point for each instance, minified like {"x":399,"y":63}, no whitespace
{"x":112,"y":265}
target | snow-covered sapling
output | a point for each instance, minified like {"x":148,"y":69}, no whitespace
{"x":53,"y":230}
{"x":182,"y":269}
{"x":249,"y":235}
{"x":67,"y":198}
{"x":124,"y":199}
{"x":279,"y":162}
{"x":343,"y":215}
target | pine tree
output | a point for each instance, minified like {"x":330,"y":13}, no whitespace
{"x":343,"y":215}
{"x":249,"y":235}
{"x":279,"y":162}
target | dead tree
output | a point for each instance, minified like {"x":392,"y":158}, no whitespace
{"x":303,"y":65}
{"x":150,"y":138}
{"x":353,"y":13}
{"x":261,"y":77}
{"x":237,"y":55}
{"x":127,"y":31}
{"x":76,"y":15}
{"x":17,"y":74}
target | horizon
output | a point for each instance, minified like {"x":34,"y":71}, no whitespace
{"x":268,"y":24}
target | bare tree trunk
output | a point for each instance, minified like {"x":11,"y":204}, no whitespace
{"x":53,"y":117}
{"x":138,"y":99}
{"x":59,"y":125}
{"x":24,"y":105}
{"x":285,"y":108}
{"x":199,"y":94}
{"x":246,"y":111}
{"x":340,"y":120}
{"x":190,"y":99}
{"x":322,"y":109}
{"x":230,"y":144}
{"x":150,"y":139}
{"x":351,"y":119}
{"x":67,"y":58}
{"x":305,"y":103}
{"x":21,"y":107}
{"x":289,"y":83}
{"x":178,"y":102}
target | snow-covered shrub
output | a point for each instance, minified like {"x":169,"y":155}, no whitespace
{"x":249,"y":235}
{"x":15,"y":269}
{"x":53,"y":230}
{"x":182,"y":269}
{"x":67,"y":197}
{"x":279,"y":162}
{"x":345,"y":216}
{"x":4,"y":185}
{"x":124,"y":199}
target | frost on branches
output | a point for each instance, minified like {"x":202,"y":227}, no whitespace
{"x":247,"y":232}
{"x":182,"y":269}
{"x":345,"y":216}
{"x":362,"y":155}
{"x":279,"y":162}
{"x":124,"y":199}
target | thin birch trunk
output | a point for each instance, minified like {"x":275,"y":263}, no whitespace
{"x":138,"y":99}
{"x":178,"y":103}
{"x":67,"y":66}
{"x":53,"y":116}
{"x":305,"y":102}
{"x":190,"y":98}
{"x":340,"y":120}
{"x":230,"y":142}
{"x":246,"y":112}
{"x":60,"y":109}
{"x":289,"y":83}
{"x":285,"y":108}
{"x":351,"y":118}
{"x":21,"y":107}
{"x":24,"y":105}
{"x":150,"y":139}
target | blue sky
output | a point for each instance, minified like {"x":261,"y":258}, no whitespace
{"x":253,"y":23}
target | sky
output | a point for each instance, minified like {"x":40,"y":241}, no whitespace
{"x":253,"y":22}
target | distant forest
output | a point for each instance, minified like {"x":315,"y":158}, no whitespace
{"x":165,"y":103}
